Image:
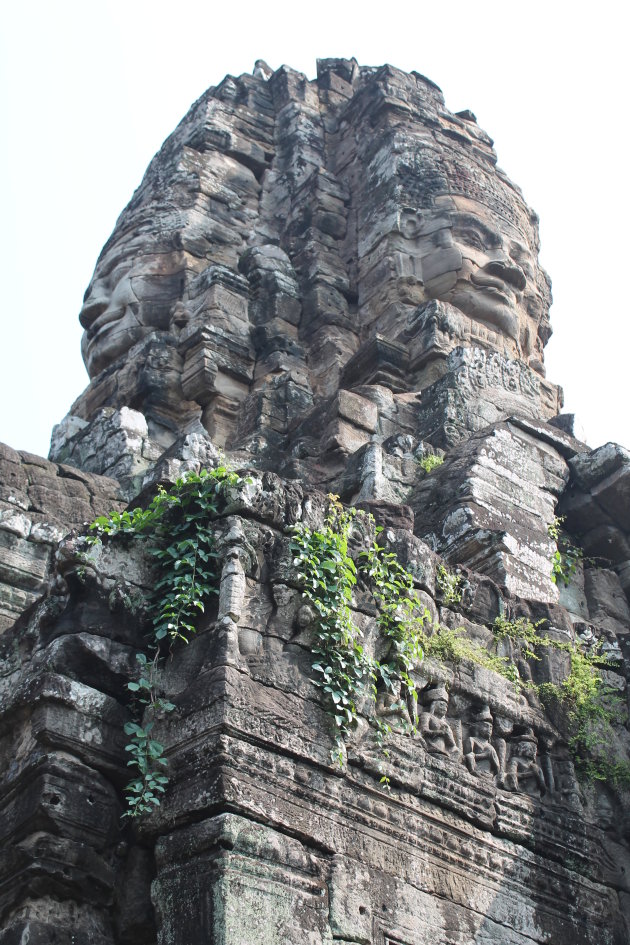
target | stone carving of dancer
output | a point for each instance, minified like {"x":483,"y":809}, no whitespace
{"x":479,"y":755}
{"x":392,"y":709}
{"x":523,"y":771}
{"x":433,"y":726}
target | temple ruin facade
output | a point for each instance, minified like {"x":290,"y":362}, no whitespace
{"x":331,"y":289}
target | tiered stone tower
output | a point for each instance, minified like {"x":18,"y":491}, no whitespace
{"x":330,"y":281}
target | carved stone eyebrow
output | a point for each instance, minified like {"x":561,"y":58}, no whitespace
{"x":469,"y":220}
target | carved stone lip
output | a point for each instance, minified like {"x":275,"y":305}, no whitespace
{"x":92,"y":310}
{"x":491,"y":284}
{"x":102,"y":324}
{"x":497,"y":293}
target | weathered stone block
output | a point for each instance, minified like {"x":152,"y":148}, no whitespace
{"x":606,"y":599}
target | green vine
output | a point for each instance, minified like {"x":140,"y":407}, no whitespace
{"x":177,"y":527}
{"x":348,"y":675}
{"x":400,"y":617}
{"x":449,"y":585}
{"x":345,"y":672}
{"x":401,"y":614}
{"x":522,"y":632}
{"x":592,"y":708}
{"x":566,"y":557}
{"x":451,"y":645}
{"x":147,"y":754}
{"x":328,"y":573}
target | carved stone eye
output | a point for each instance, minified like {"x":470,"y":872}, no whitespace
{"x":472,"y":238}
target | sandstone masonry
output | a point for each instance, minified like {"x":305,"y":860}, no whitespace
{"x":326,"y":282}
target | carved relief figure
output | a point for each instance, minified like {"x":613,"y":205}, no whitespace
{"x":546,"y":764}
{"x":433,"y":727}
{"x":503,"y":727}
{"x":566,"y":782}
{"x":479,"y":755}
{"x":523,"y":771}
{"x":392,"y":709}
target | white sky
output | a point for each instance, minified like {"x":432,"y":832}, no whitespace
{"x":89,"y":91}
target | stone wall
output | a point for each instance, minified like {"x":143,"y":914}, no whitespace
{"x":260,"y":833}
{"x":40,"y":502}
{"x":332,"y":281}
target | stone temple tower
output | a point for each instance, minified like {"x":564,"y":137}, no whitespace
{"x":329,"y":287}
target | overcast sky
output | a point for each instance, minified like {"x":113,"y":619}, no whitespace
{"x":89,"y":91}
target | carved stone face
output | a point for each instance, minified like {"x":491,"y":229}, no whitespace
{"x":110,"y":318}
{"x":526,"y":750}
{"x":124,"y":302}
{"x":439,"y":708}
{"x":481,"y":263}
{"x":491,"y":281}
{"x":484,"y":731}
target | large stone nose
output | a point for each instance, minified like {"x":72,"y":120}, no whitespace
{"x":507,"y":271}
{"x":92,"y":309}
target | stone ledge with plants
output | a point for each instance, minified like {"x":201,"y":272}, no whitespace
{"x":341,"y":559}
{"x":177,"y":530}
{"x":585,"y":709}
